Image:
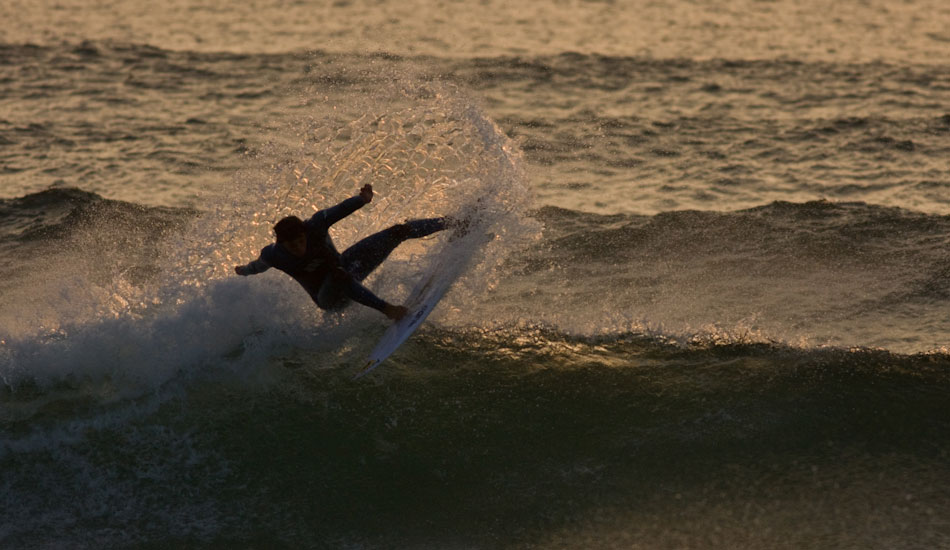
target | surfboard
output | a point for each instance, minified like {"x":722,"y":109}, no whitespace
{"x":450,"y":264}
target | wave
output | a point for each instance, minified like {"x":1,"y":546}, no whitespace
{"x":585,"y":70}
{"x":228,"y":337}
{"x":835,"y":273}
{"x":58,"y":212}
{"x":830,"y":230}
{"x":218,"y":418}
{"x":511,"y":423}
{"x":815,"y":229}
{"x":781,"y":247}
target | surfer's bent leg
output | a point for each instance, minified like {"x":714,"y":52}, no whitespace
{"x":339,"y":286}
{"x":366,"y":255}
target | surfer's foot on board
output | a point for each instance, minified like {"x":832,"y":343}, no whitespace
{"x":395,"y":312}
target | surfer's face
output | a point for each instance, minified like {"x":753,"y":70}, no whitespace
{"x":297,"y":246}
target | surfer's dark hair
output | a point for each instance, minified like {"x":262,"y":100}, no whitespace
{"x":289,"y":229}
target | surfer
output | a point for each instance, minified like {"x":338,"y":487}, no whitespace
{"x":304,"y":250}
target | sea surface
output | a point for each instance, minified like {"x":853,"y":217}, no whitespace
{"x":713,"y":310}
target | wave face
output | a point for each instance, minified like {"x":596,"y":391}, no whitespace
{"x":513,"y":438}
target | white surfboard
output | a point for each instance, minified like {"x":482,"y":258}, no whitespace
{"x":435,"y":282}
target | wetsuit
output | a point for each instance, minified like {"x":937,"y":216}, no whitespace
{"x":333,"y":279}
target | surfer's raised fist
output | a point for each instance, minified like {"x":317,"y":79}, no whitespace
{"x":367,"y":192}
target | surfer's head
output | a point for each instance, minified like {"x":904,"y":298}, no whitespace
{"x":292,"y":235}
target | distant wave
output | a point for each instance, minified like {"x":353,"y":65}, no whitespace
{"x":584,"y":70}
{"x":55,"y":212}
{"x":780,"y":235}
{"x":58,"y":211}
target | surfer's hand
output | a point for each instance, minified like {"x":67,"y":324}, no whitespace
{"x":395,"y":312}
{"x":239,"y":269}
{"x":367,"y":192}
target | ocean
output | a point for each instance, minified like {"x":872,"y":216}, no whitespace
{"x":714,"y":311}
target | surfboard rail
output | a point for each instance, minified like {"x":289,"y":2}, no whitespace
{"x":426,"y":294}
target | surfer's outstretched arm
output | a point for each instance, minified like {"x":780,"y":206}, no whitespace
{"x":253,"y":268}
{"x":330,"y":216}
